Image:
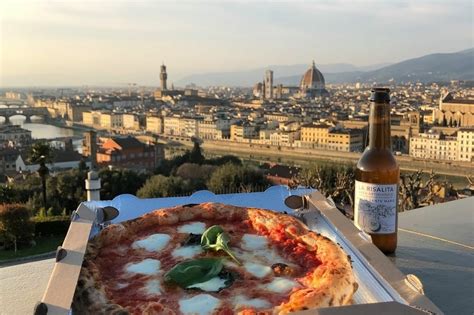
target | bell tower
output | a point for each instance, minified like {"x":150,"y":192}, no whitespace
{"x":163,"y":77}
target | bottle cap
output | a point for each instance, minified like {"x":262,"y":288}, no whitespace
{"x":380,"y":95}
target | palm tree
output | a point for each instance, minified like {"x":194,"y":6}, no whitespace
{"x":42,"y":153}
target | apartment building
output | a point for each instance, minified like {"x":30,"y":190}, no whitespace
{"x":465,"y":139}
{"x":242,"y":132}
{"x":434,"y":145}
{"x":284,"y":138}
{"x":347,"y":140}
{"x":324,"y":136}
{"x":213,"y":129}
{"x":154,"y":124}
{"x":130,"y":122}
{"x":126,"y":152}
{"x":14,"y":135}
{"x":315,"y":135}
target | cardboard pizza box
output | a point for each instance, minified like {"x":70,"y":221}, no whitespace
{"x":383,"y":288}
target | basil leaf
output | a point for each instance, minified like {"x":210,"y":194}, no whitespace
{"x":222,"y":243}
{"x":209,"y":237}
{"x":194,"y":271}
{"x":216,"y":239}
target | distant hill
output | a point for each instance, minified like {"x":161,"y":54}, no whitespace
{"x":429,"y":68}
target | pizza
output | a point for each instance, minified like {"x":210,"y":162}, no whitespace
{"x":212,"y":258}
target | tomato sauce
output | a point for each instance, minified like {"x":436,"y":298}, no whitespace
{"x":128,"y":290}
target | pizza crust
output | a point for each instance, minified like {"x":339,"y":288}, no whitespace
{"x":332,"y":283}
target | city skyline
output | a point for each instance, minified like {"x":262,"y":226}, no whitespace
{"x":112,"y":43}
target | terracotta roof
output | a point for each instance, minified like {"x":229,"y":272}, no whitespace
{"x":128,"y":142}
{"x":313,"y":78}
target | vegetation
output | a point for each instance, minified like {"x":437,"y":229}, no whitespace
{"x":337,"y":183}
{"x":119,"y":181}
{"x":231,"y":177}
{"x":16,"y":228}
{"x":162,"y":186}
{"x":333,"y":181}
{"x":42,"y":245}
{"x":42,"y":153}
{"x":51,"y":225}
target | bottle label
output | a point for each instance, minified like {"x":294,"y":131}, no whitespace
{"x":375,"y":207}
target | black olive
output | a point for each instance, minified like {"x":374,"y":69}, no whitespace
{"x":192,"y":239}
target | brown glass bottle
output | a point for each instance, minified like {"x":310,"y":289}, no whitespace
{"x":377,"y":178}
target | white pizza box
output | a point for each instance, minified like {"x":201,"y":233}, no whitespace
{"x":382,"y":287}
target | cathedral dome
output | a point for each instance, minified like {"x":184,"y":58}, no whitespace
{"x":312,"y":79}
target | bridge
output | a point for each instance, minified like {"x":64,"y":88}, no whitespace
{"x":27,"y":112}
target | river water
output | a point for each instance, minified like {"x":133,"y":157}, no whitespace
{"x":40,"y":130}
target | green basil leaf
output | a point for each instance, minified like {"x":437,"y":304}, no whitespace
{"x":194,"y":271}
{"x":209,"y":237}
{"x":216,"y":238}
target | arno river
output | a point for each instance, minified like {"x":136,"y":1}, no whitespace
{"x":44,"y":131}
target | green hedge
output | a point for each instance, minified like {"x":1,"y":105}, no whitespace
{"x":56,"y":225}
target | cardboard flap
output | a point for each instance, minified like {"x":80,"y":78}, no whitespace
{"x":62,"y":283}
{"x":376,"y":259}
{"x":386,"y":308}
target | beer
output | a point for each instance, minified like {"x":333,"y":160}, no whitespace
{"x":377,"y":177}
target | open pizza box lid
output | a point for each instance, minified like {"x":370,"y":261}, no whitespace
{"x":382,"y":287}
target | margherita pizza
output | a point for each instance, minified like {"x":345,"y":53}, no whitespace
{"x":212,"y":259}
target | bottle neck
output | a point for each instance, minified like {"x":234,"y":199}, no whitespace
{"x":379,"y":126}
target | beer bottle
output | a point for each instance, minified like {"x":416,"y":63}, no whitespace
{"x":377,"y":177}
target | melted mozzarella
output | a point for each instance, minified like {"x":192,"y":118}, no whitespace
{"x":253,"y":242}
{"x":187,"y":251}
{"x":146,"y":267}
{"x":212,"y":285}
{"x":195,"y":228}
{"x":267,"y":256}
{"x":281,"y":285}
{"x":153,"y":287}
{"x":121,"y":285}
{"x":257,"y":270}
{"x":201,"y":304}
{"x":242,"y":300}
{"x":153,"y":243}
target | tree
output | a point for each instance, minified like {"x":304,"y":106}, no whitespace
{"x":336,"y":182}
{"x":230,"y":177}
{"x":7,"y":194}
{"x":415,"y":193}
{"x":15,"y":225}
{"x":162,"y":186}
{"x":120,"y":181}
{"x":42,"y":153}
{"x":445,"y":121}
{"x":224,"y":160}
{"x":196,"y":154}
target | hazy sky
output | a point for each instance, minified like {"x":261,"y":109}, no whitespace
{"x":74,"y":42}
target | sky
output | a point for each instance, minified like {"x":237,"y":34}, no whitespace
{"x":88,"y":42}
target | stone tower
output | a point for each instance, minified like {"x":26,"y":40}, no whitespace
{"x":268,"y":84}
{"x":163,"y":77}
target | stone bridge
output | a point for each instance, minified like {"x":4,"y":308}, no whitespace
{"x":27,"y":112}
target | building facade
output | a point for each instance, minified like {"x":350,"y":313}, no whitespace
{"x":454,"y":112}
{"x":154,"y":124}
{"x":126,"y":152}
{"x":434,"y":146}
{"x":465,"y":139}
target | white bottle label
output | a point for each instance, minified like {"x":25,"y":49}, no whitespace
{"x":375,"y":207}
